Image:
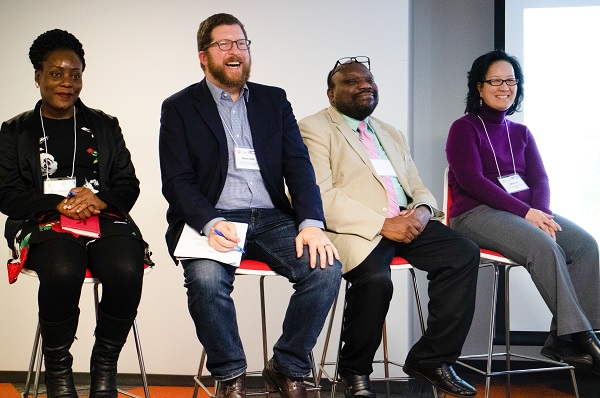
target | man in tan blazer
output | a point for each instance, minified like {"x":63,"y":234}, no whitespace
{"x":377,"y":207}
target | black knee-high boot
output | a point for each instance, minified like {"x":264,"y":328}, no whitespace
{"x":57,"y":338}
{"x":111,"y":334}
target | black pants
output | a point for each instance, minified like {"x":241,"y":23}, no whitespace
{"x":118,"y":261}
{"x":451,"y":262}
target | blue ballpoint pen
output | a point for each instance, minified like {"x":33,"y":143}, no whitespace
{"x":236,"y":248}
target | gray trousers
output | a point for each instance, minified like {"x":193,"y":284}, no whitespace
{"x":566,"y":272}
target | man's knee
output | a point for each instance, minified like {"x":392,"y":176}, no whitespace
{"x":329,"y":277}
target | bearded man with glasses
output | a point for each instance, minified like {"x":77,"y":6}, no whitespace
{"x":226,"y":145}
{"x":377,"y":207}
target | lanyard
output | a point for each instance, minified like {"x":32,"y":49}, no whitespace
{"x":494,"y":152}
{"x":228,"y":130}
{"x":74,"y":140}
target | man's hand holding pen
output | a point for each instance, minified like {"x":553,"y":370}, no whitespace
{"x":223,"y":237}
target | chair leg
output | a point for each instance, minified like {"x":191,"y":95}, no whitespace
{"x":420,"y":312}
{"x":575,"y":389}
{"x":336,"y":375}
{"x":386,"y":361}
{"x":198,"y":378}
{"x":35,"y":352}
{"x":138,"y":348}
{"x":327,"y":338}
{"x":507,"y":324}
{"x":488,"y":375}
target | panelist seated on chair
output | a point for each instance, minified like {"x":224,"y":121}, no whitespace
{"x":63,"y":159}
{"x":501,"y":200}
{"x":208,"y":187}
{"x":376,"y":208}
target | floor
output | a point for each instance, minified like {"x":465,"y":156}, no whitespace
{"x":549,"y":385}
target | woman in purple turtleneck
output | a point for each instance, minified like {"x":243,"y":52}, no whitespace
{"x":501,"y":200}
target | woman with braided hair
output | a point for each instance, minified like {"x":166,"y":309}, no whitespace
{"x":64,"y":161}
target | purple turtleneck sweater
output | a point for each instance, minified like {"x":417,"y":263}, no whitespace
{"x":473,"y":175}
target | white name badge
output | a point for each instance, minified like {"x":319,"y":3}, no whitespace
{"x":245,"y":158}
{"x":513,"y":183}
{"x":383,"y":167}
{"x":59,"y":186}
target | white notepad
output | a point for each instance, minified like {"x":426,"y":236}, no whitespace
{"x":192,"y":244}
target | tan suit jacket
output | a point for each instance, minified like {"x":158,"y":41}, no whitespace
{"x":354,"y":198}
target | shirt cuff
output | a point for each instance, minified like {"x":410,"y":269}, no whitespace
{"x":311,"y":223}
{"x":209,"y":225}
{"x":431,"y":211}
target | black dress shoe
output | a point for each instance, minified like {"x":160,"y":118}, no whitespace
{"x":443,"y":379}
{"x":559,"y":349}
{"x":288,"y":387}
{"x":588,"y":342}
{"x":358,"y":386}
{"x":232,"y":388}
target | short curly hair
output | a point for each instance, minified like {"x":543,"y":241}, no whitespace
{"x":52,"y":40}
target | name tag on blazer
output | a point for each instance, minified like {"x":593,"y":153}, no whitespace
{"x":383,"y":167}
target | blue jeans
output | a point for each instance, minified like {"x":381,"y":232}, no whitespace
{"x":271,"y":239}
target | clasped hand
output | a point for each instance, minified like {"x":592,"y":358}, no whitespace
{"x":543,"y":221}
{"x":81,"y":203}
{"x":406,"y":226}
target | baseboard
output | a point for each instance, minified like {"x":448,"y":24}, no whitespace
{"x":256,"y":381}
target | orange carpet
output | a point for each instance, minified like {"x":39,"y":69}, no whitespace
{"x":8,"y":391}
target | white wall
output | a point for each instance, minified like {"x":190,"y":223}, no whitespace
{"x":447,"y":36}
{"x":138,"y":53}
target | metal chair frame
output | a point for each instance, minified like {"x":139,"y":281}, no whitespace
{"x":398,"y":263}
{"x":262,"y":270}
{"x":37,"y":354}
{"x":494,"y":259}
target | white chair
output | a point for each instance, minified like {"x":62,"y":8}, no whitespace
{"x":262,"y":270}
{"x":37,"y":355}
{"x":494,"y":259}
{"x":398,"y":263}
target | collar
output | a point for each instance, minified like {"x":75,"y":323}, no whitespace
{"x":218,"y":93}
{"x":491,"y":115}
{"x":353,"y":123}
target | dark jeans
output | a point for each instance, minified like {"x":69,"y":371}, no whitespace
{"x":451,"y":262}
{"x":271,"y":239}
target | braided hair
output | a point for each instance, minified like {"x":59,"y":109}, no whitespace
{"x":53,"y":40}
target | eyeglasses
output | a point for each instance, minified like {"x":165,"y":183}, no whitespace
{"x":499,"y":82}
{"x":226,"y":44}
{"x":361,"y":59}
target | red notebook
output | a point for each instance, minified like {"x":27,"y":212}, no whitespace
{"x":88,"y":227}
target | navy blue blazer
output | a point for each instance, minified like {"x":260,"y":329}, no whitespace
{"x":193,"y":156}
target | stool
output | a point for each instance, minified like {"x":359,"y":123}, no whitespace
{"x":37,"y":355}
{"x":398,"y":263}
{"x":497,"y":260}
{"x":256,"y":268}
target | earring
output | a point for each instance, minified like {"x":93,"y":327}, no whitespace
{"x":480,"y":101}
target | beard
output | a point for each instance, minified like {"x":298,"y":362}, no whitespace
{"x":219,"y":72}
{"x":358,"y":109}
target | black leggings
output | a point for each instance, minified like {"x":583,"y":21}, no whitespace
{"x":118,"y":261}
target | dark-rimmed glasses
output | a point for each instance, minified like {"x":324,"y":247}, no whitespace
{"x":361,"y":59}
{"x":499,"y":82}
{"x":226,"y":44}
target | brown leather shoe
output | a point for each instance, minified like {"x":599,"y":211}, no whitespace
{"x":288,"y":387}
{"x":232,"y":388}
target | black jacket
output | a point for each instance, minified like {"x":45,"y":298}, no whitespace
{"x":21,"y":182}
